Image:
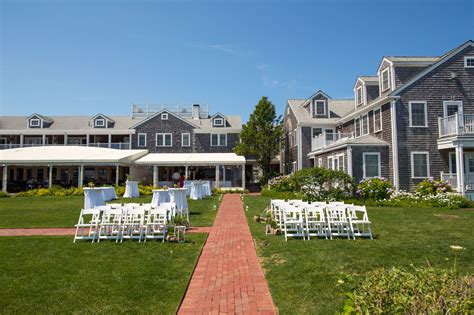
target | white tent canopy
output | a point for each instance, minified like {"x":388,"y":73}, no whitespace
{"x":191,"y":159}
{"x":68,"y":155}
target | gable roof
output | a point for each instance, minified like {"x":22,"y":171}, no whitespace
{"x":367,"y":80}
{"x":44,"y":118}
{"x":441,"y":61}
{"x":102,"y":115}
{"x":339,"y":107}
{"x":319,"y":92}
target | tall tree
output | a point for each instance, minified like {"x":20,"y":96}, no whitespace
{"x":260,"y":137}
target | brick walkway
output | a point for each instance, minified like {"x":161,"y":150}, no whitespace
{"x":67,"y":231}
{"x":228,"y":277}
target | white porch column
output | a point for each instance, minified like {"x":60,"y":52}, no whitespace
{"x":44,"y":140}
{"x":243,"y":176}
{"x":460,"y":168}
{"x":117,"y":174}
{"x":110,"y":140}
{"x":186,"y":172}
{"x":87,"y":139}
{"x":65,"y":139}
{"x":130,"y":142}
{"x":5,"y":178}
{"x":217,"y":185}
{"x":22,"y":139}
{"x":155,"y":175}
{"x":81,"y":176}
{"x":50,"y":178}
{"x":349,"y":161}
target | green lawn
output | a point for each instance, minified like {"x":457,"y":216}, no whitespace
{"x":51,"y":275}
{"x":48,"y":211}
{"x":302,"y":275}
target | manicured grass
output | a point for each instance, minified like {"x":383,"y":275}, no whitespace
{"x":51,"y":275}
{"x":49,"y":211}
{"x":302,"y":275}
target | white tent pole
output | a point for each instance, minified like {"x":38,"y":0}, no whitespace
{"x":243,"y":176}
{"x":50,"y":178}
{"x":117,"y":173}
{"x":5,"y":178}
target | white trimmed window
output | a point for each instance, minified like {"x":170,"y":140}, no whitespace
{"x":365,"y":125}
{"x":385,"y":79}
{"x":371,"y":164}
{"x":452,"y":163}
{"x":418,"y":114}
{"x":35,"y":122}
{"x":377,"y":119}
{"x":316,"y":132}
{"x":219,"y":122}
{"x":142,"y":139}
{"x":336,"y":162}
{"x":330,"y":134}
{"x":420,"y":164}
{"x":164,"y":140}
{"x":185,"y":139}
{"x":218,"y":140}
{"x":357,"y":126}
{"x":164,"y":116}
{"x":319,"y":107}
{"x":469,"y":62}
{"x":100,"y":122}
{"x":359,"y":96}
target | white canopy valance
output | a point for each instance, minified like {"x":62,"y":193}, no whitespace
{"x":71,"y":155}
{"x":191,"y":159}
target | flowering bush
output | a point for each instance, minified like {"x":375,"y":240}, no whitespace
{"x":376,"y":188}
{"x":441,"y":200}
{"x":431,"y":186}
{"x":281,"y":183}
{"x":53,"y":191}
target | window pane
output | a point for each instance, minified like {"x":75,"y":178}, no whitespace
{"x":418,"y":114}
{"x":319,"y":107}
{"x":141,"y":140}
{"x":377,"y":120}
{"x":159,"y":139}
{"x":357,"y":127}
{"x":317,"y":132}
{"x":451,"y":109}
{"x":167,"y":139}
{"x":222,"y":140}
{"x":371,"y":165}
{"x":420,"y":165}
{"x":214,"y":139}
{"x":185,"y":139}
{"x":365,"y":124}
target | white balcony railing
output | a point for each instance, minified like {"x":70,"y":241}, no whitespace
{"x":452,"y":179}
{"x":327,"y":139}
{"x":113,"y":145}
{"x":456,"y":125}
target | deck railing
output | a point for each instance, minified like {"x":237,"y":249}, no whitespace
{"x":455,"y":125}
{"x":327,"y":139}
{"x":113,"y":145}
{"x":452,"y":179}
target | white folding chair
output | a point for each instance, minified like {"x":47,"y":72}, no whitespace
{"x":115,"y":205}
{"x":131,"y":205}
{"x":110,"y":224}
{"x":316,"y":224}
{"x":155,"y":227}
{"x":293,"y":222}
{"x":359,"y":221}
{"x":170,"y":208}
{"x":336,"y":203}
{"x":338,"y":224}
{"x":319,"y":203}
{"x":275,"y":210}
{"x":89,"y":223}
{"x":133,"y":224}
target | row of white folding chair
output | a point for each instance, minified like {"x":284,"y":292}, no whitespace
{"x":109,"y":222}
{"x":318,"y":220}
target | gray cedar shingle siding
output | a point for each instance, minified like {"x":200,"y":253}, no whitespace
{"x":306,"y":133}
{"x":372,"y":92}
{"x":358,"y":159}
{"x":290,"y":153}
{"x":434,"y":88}
{"x":403,"y":74}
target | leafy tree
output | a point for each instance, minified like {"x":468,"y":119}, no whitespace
{"x":260,"y":137}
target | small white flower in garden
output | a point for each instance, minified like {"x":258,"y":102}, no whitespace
{"x":340,"y":281}
{"x":456,"y":247}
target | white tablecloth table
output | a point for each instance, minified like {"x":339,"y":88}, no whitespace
{"x":160,"y":196}
{"x":93,"y":197}
{"x":131,"y":189}
{"x":187,"y":185}
{"x":197,"y":191}
{"x":178,"y":196}
{"x":206,"y":186}
{"x":109,"y":193}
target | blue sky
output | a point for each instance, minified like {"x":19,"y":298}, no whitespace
{"x":83,"y":57}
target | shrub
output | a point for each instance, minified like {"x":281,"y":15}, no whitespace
{"x":3,"y":194}
{"x":431,"y":186}
{"x":441,"y":200}
{"x":119,"y":190}
{"x":281,"y":194}
{"x":411,"y":291}
{"x":281,"y":183}
{"x":323,"y":184}
{"x":145,"y":190}
{"x":376,"y":188}
{"x":53,"y":191}
{"x":219,"y":191}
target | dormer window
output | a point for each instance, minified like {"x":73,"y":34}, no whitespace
{"x":219,"y":122}
{"x":319,"y":107}
{"x":385,"y":79}
{"x":164,"y":116}
{"x":469,"y":62}
{"x":35,"y":122}
{"x":359,"y":96}
{"x":100,"y":122}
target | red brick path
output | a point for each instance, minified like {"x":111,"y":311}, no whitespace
{"x":67,"y":231}
{"x":228,"y":277}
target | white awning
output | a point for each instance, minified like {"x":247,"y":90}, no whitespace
{"x":191,"y":159}
{"x":70,"y":155}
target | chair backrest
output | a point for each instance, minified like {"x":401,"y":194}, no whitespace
{"x":336,"y":203}
{"x":135,"y":214}
{"x":112,"y":215}
{"x":291,"y":213}
{"x":315,"y":212}
{"x":157,"y":215}
{"x":359,"y":210}
{"x":319,"y":203}
{"x":336,"y":213}
{"x":114,"y":205}
{"x":168,"y":205}
{"x":131,"y":205}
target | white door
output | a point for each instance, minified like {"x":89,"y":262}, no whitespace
{"x":452,"y":107}
{"x":469,"y":171}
